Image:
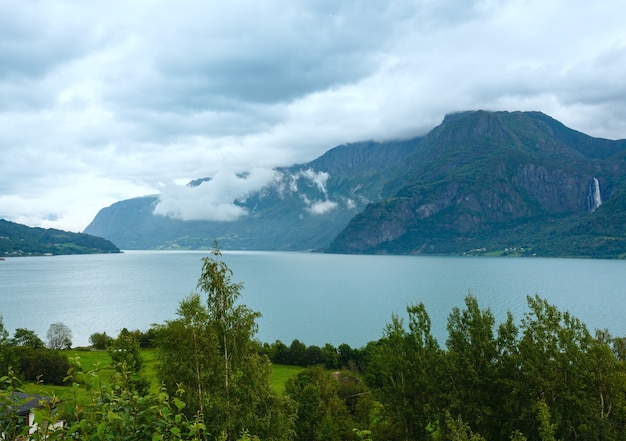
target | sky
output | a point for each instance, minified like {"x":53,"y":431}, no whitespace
{"x":103,"y":101}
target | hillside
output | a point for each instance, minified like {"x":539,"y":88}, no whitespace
{"x":304,"y":207}
{"x":483,"y":182}
{"x":21,"y":240}
{"x":479,"y":183}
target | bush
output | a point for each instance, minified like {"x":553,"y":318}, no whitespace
{"x":43,"y":365}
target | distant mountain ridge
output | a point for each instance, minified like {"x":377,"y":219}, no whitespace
{"x":21,"y":240}
{"x":303,"y":208}
{"x":480,"y":182}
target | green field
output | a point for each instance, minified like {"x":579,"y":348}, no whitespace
{"x":100,"y":362}
{"x":280,"y":374}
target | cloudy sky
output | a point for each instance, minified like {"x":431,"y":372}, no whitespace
{"x":101,"y":101}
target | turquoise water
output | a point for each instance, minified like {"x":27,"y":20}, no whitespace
{"x":316,"y":298}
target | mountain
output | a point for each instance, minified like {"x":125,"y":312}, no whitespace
{"x":303,"y":208}
{"x":20,"y":240}
{"x":500,"y":182}
{"x":481,"y":182}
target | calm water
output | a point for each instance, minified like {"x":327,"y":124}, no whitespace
{"x":316,"y":298}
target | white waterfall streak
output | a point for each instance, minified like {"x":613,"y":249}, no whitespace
{"x":597,"y":197}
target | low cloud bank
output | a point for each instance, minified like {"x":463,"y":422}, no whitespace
{"x":212,"y":200}
{"x":216,"y":199}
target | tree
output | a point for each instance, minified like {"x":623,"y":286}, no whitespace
{"x":27,"y":338}
{"x":211,"y":351}
{"x":570,"y":373}
{"x":59,"y":336}
{"x":7,"y":351}
{"x":188,"y":352}
{"x":100,"y":340}
{"x":322,"y":414}
{"x":126,"y":359}
{"x":235,"y":325}
{"x":297,"y":353}
{"x":471,"y":366}
{"x":404,"y":369}
{"x":124,"y":351}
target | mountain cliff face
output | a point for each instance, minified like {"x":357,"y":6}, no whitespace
{"x":490,"y":181}
{"x":481,"y":182}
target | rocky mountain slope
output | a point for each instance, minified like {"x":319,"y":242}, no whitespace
{"x":481,"y":182}
{"x":500,"y":182}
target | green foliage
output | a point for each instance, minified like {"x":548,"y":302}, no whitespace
{"x":548,"y":379}
{"x":100,"y":340}
{"x":299,"y":354}
{"x":12,"y":424}
{"x":27,"y":338}
{"x":126,"y":358}
{"x":330,"y":404}
{"x":7,"y":351}
{"x":209,"y":351}
{"x":19,"y":240}
{"x":405,"y":374}
{"x":124,"y":352}
{"x":546,"y":427}
{"x":471,"y":365}
{"x":458,"y":430}
{"x":42,"y":365}
{"x":187,"y":353}
{"x":115,"y":412}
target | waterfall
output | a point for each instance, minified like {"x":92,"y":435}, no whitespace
{"x":595,"y":198}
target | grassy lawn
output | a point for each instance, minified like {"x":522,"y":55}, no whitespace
{"x":97,"y":361}
{"x":281,"y":373}
{"x":100,"y":361}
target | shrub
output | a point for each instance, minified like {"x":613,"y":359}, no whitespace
{"x":43,"y":364}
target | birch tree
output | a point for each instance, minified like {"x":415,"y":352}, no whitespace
{"x":213,"y":348}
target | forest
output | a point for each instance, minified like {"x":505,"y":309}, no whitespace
{"x":543,"y":377}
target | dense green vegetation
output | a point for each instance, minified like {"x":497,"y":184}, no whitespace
{"x":544,"y":377}
{"x":20,"y":240}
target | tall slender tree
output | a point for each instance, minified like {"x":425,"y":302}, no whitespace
{"x":223,"y":369}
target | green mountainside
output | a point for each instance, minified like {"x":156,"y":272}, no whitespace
{"x":499,"y":182}
{"x":20,"y":240}
{"x":481,"y":182}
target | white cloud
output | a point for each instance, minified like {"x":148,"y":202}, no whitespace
{"x":318,"y":178}
{"x":211,"y":200}
{"x":321,"y":207}
{"x":102,"y":100}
